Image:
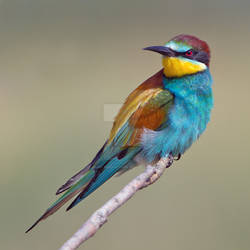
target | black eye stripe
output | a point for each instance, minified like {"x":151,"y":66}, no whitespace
{"x":194,"y":53}
{"x":200,"y":56}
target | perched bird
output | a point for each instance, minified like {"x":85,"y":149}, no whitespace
{"x":161,"y":118}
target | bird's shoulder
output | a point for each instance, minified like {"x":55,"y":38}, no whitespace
{"x":145,"y":107}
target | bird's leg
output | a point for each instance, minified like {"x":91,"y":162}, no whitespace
{"x":178,"y":157}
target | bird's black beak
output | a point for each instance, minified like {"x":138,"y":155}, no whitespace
{"x":165,"y":51}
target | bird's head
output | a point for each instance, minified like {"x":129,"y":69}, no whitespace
{"x":183,"y":55}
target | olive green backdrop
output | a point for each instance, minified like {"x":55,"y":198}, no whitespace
{"x":60,"y":63}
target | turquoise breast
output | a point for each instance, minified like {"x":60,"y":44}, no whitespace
{"x":187,"y":119}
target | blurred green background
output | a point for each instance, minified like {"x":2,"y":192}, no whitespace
{"x":60,"y":62}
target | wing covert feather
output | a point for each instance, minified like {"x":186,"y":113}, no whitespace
{"x":146,"y":107}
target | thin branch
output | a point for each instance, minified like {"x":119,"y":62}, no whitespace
{"x":99,"y":217}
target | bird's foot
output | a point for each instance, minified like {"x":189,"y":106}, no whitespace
{"x":171,"y":160}
{"x":178,"y":157}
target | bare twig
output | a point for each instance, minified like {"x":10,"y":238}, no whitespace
{"x":99,"y":217}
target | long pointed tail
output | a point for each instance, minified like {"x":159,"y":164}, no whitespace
{"x":75,"y":189}
{"x":93,"y":177}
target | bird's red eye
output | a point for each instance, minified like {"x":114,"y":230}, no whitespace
{"x":189,"y":53}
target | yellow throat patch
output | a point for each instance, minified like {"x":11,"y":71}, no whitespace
{"x":177,"y":67}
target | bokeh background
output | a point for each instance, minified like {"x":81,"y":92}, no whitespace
{"x":60,"y":62}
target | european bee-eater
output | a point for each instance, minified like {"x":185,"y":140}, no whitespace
{"x":161,"y":118}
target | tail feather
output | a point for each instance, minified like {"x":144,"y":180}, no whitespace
{"x":92,"y":178}
{"x":78,"y":176}
{"x":103,"y":173}
{"x":73,"y":180}
{"x":75,"y":189}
